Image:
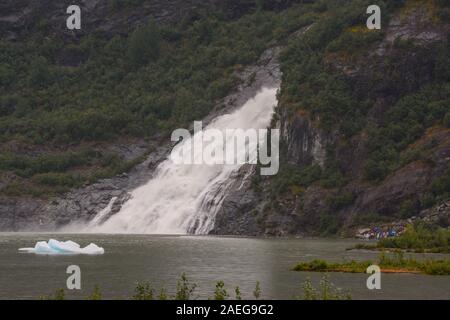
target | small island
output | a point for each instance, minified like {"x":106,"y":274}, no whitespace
{"x":418,"y":237}
{"x":396,"y":264}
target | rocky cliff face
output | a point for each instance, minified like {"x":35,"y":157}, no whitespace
{"x":305,"y":142}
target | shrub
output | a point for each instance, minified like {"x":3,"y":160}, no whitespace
{"x":408,"y":209}
{"x":40,"y":73}
{"x":143,"y":291}
{"x":341,"y":200}
{"x":184,"y":288}
{"x":327,"y":291}
{"x":96,"y":294}
{"x":375,"y":170}
{"x":237,"y":291}
{"x":446,"y":120}
{"x":257,"y":291}
{"x":441,"y":185}
{"x":144,"y":45}
{"x":57,"y":179}
{"x":220,"y":293}
{"x":59,"y":294}
{"x":61,"y":162}
{"x":7,"y":75}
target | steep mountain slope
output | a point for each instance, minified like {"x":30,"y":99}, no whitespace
{"x":364,"y":115}
{"x":364,"y":118}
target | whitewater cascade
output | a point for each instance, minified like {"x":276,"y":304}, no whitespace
{"x":183,"y":199}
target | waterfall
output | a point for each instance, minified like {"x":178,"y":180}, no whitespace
{"x":180,"y":198}
{"x":103,"y":213}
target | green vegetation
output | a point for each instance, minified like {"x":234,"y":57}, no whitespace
{"x":220,"y":293}
{"x":96,"y":294}
{"x":117,"y":5}
{"x":327,"y":291}
{"x":257,"y":291}
{"x":405,"y":122}
{"x":336,"y":77}
{"x":313,"y":88}
{"x":58,"y":172}
{"x":396,"y":264}
{"x":324,"y":266}
{"x":158,"y":77}
{"x":143,"y":291}
{"x":440,"y":187}
{"x":59,"y":294}
{"x":185,"y":290}
{"x":144,"y":45}
{"x":446,"y":120}
{"x":311,"y":84}
{"x":142,"y":85}
{"x":370,"y":218}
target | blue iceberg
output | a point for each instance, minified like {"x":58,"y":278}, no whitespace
{"x":63,"y":247}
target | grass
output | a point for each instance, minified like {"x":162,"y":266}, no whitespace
{"x":388,"y":264}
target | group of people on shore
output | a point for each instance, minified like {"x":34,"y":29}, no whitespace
{"x":381,"y":232}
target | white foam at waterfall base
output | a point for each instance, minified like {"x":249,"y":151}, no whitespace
{"x":181,"y":198}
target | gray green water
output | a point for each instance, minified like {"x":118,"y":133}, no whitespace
{"x":161,"y":259}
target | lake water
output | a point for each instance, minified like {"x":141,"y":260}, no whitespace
{"x":205,"y":260}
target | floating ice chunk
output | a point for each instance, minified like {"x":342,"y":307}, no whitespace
{"x":63,"y":247}
{"x":92,"y":248}
{"x":40,"y":247}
